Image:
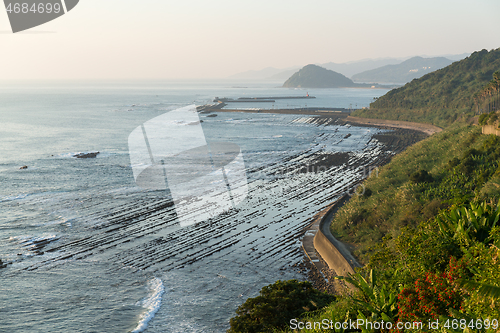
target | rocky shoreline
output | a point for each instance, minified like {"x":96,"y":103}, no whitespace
{"x":314,"y":267}
{"x":400,"y":136}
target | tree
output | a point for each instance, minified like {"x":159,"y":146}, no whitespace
{"x":276,"y":305}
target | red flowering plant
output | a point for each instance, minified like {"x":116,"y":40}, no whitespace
{"x":433,"y":295}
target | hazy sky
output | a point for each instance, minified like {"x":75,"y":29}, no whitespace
{"x":214,"y":39}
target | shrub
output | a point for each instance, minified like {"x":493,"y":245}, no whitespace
{"x":453,"y":162}
{"x":432,"y":208}
{"x":421,"y":176}
{"x":276,"y":305}
{"x":376,"y":300}
{"x":432,"y":296}
{"x":471,"y":222}
{"x":367,"y":193}
{"x":483,"y":118}
{"x":491,"y":143}
{"x":493,"y":117}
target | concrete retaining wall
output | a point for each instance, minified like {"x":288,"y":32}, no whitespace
{"x":491,"y":129}
{"x":333,"y":252}
{"x":426,"y":128}
{"x":331,"y":255}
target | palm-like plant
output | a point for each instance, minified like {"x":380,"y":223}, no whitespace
{"x":483,"y":289}
{"x":377,"y":300}
{"x":475,"y":222}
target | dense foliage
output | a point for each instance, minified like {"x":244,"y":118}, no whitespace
{"x":426,"y":274}
{"x":488,"y":118}
{"x":276,"y":305}
{"x":455,"y":166}
{"x":488,"y":99}
{"x":440,"y":97}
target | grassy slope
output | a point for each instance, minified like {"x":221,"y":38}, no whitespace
{"x":440,"y":97}
{"x":396,"y":201}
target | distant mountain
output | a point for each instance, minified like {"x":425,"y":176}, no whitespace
{"x":404,"y":72}
{"x":348,"y":68}
{"x":264,"y":74}
{"x":353,"y":67}
{"x":313,"y":76}
{"x":454,"y":57}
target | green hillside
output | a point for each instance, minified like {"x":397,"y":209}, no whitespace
{"x":458,"y":165}
{"x":426,"y":225}
{"x":404,"y":72}
{"x":312,"y":76}
{"x":439,"y":97}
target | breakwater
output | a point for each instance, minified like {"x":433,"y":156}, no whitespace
{"x":324,"y":111}
{"x":258,"y":99}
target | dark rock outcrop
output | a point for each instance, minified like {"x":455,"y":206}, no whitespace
{"x":87,"y":155}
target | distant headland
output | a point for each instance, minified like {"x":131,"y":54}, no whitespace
{"x":313,"y":76}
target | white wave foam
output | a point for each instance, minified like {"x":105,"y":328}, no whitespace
{"x":152,"y":304}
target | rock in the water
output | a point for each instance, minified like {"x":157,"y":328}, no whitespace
{"x":87,"y":155}
{"x":24,"y":167}
{"x":2,"y":265}
{"x":212,"y":115}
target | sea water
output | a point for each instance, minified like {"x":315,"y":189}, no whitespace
{"x":89,"y":251}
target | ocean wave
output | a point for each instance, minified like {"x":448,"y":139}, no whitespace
{"x":60,"y":221}
{"x":14,"y":197}
{"x":152,"y":304}
{"x":34,"y":197}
